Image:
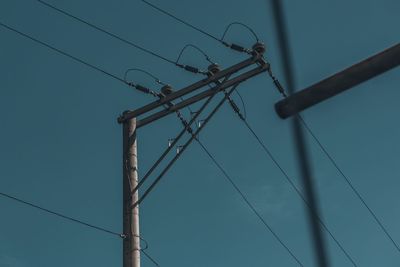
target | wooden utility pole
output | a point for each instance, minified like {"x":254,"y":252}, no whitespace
{"x":131,"y":243}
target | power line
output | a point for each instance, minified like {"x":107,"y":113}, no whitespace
{"x":62,"y":52}
{"x":62,"y":215}
{"x":349,"y":183}
{"x":245,"y":199}
{"x":136,"y":86}
{"x":194,"y":135}
{"x":214,"y":37}
{"x":297,"y":190}
{"x":106,"y":32}
{"x":182,"y":21}
{"x":149,"y":257}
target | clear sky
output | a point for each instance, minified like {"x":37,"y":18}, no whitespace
{"x":60,"y":144}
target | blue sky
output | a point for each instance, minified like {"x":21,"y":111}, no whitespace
{"x":61,"y":145}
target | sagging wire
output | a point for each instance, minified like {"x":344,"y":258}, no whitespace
{"x":190,"y":68}
{"x":232,"y":46}
{"x":243,"y":104}
{"x":235,"y":46}
{"x":290,"y":181}
{"x":143,"y":250}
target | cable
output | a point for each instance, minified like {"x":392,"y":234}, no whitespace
{"x":195,"y":47}
{"x":136,"y":86}
{"x":181,"y":21}
{"x":195,"y":137}
{"x":241,"y":24}
{"x":149,"y":257}
{"x":106,"y":32}
{"x":62,"y":216}
{"x":336,"y":166}
{"x":232,"y":45}
{"x":243,"y":105}
{"x":297,"y":190}
{"x":143,"y":250}
{"x":145,"y":72}
{"x":62,"y":52}
{"x":349,"y":183}
{"x":245,"y":199}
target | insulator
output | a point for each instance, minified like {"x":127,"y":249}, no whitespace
{"x":213,"y":68}
{"x":191,"y":69}
{"x":234,"y":106}
{"x":279,"y":86}
{"x":166,"y":90}
{"x":238,"y":48}
{"x":259,"y":48}
{"x":142,"y":88}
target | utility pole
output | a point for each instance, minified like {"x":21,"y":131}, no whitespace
{"x":131,"y":242}
{"x":218,"y":81}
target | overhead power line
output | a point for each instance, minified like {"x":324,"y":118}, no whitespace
{"x":136,"y":86}
{"x":62,"y":215}
{"x":248,"y":203}
{"x":289,"y":180}
{"x":182,"y":21}
{"x":145,"y":50}
{"x":221,"y":40}
{"x":74,"y":220}
{"x":63,"y":53}
{"x":350,"y":184}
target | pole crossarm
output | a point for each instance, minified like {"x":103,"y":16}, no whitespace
{"x":234,"y":81}
{"x":188,"y":142}
{"x":339,"y":82}
{"x":255,"y":59}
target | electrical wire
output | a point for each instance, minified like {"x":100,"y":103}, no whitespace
{"x":105,"y":31}
{"x":181,"y":20}
{"x":350,"y":184}
{"x":292,"y":184}
{"x":336,"y":166}
{"x":78,"y":222}
{"x":240,"y":24}
{"x":137,"y":87}
{"x":149,"y":257}
{"x":157,"y":80}
{"x":243,"y":104}
{"x":62,"y":52}
{"x":245,"y":199}
{"x":220,"y":40}
{"x":198,"y":49}
{"x":62,"y":215}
